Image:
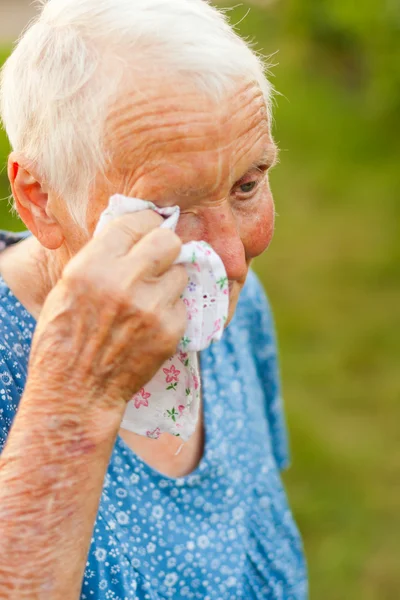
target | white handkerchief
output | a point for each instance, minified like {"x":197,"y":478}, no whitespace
{"x":170,"y":401}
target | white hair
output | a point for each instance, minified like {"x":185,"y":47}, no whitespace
{"x":68,"y":67}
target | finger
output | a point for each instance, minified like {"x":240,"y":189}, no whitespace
{"x":118,"y":237}
{"x":171,"y":285}
{"x":114,"y":241}
{"x":155,"y":253}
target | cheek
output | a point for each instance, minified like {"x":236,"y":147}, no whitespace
{"x":257,"y":228}
{"x":190,"y":228}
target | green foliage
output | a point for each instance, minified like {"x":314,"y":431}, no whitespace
{"x":332,"y":274}
{"x":6,"y":220}
{"x":333,"y":278}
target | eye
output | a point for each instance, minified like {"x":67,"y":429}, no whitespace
{"x":248,"y":187}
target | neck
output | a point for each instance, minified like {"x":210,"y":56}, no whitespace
{"x":31,"y":272}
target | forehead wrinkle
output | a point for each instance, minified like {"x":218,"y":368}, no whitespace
{"x":161,"y":151}
{"x":182,"y":135}
{"x":128,"y":125}
{"x":126,"y":130}
{"x":235,"y":137}
{"x":175,"y":129}
{"x":248,"y":145}
{"x":225,"y":160}
{"x":151,"y":98}
{"x":249,"y":94}
{"x":258,"y":118}
{"x":253,"y":122}
{"x":154,"y":120}
{"x":156,"y":128}
{"x":131,"y":111}
{"x":250,"y":138}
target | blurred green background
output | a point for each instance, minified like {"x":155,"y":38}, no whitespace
{"x":333,"y":278}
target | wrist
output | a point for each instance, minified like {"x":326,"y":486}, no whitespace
{"x":78,"y":422}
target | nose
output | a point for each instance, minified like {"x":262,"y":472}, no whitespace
{"x":220,"y":230}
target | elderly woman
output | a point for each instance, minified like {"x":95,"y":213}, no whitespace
{"x":157,"y":100}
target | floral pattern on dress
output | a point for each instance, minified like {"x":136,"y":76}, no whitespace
{"x":224,"y":532}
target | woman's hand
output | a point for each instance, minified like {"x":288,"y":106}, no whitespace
{"x":114,"y":317}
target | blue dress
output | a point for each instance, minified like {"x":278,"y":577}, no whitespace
{"x":224,"y":532}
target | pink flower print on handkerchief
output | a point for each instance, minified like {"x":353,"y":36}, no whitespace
{"x":172,"y":377}
{"x":191,"y":307}
{"x":141,"y":398}
{"x":181,"y":408}
{"x":195,"y":381}
{"x":172,"y":374}
{"x":154,"y":435}
{"x":217,"y":327}
{"x":184,"y":358}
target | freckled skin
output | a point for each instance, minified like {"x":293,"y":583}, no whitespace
{"x":172,"y":146}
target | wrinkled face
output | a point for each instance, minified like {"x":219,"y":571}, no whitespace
{"x":174,"y":146}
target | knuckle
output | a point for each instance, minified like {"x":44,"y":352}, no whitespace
{"x":148,"y":217}
{"x":130,"y":230}
{"x":121,"y":298}
{"x":82,"y":276}
{"x":147,"y":314}
{"x":75,"y":275}
{"x":137,"y":224}
{"x":167,"y":238}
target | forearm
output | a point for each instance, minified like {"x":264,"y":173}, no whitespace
{"x":51,"y":477}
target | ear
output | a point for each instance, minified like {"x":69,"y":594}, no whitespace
{"x":31,"y":201}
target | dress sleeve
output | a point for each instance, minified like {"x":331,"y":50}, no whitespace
{"x":16,"y":330}
{"x":266,"y":354}
{"x":10,"y":391}
{"x":15,"y":336}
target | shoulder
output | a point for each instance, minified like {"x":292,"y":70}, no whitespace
{"x":254,"y":325}
{"x":12,"y":382}
{"x":8,"y":238}
{"x":253,"y":289}
{"x":254,"y":310}
{"x":16,"y":330}
{"x":254,"y":318}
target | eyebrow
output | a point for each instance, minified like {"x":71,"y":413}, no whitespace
{"x":268,"y":157}
{"x":266,"y":160}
